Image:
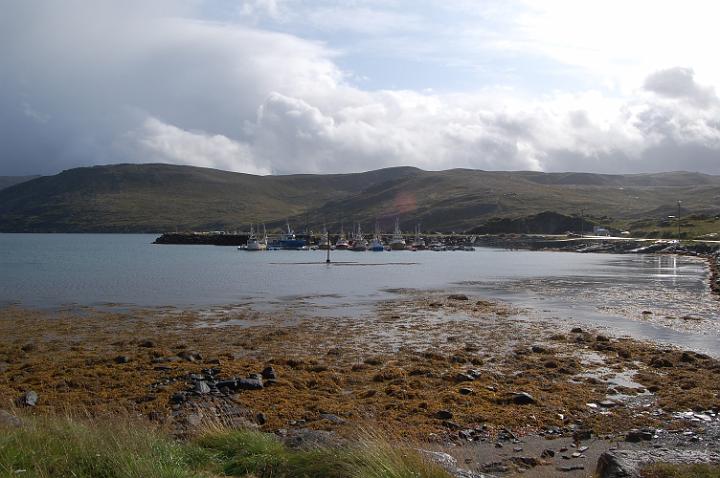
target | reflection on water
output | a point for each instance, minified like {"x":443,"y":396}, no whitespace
{"x":48,"y":270}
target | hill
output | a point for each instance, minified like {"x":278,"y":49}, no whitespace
{"x":159,"y":197}
{"x":7,"y":181}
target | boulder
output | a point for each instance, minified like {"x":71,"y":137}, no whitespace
{"x":629,"y":463}
{"x":444,"y":414}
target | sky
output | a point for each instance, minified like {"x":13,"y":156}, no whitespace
{"x":301,"y":86}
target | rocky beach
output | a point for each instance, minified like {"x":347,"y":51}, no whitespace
{"x":497,"y":389}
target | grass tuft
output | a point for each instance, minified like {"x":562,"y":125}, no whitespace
{"x":47,"y":447}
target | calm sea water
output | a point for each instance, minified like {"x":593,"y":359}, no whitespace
{"x":49,"y":270}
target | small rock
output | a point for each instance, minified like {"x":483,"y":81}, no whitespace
{"x":189,"y":356}
{"x":148,"y":344}
{"x":29,"y":399}
{"x":249,"y":384}
{"x":463,"y":377}
{"x":121,"y":359}
{"x":523,"y":398}
{"x":201,"y":387}
{"x":443,"y":414}
{"x":261,"y":418}
{"x":332,"y":418}
{"x":577,"y":330}
{"x":539,"y":349}
{"x":547,"y":453}
{"x":608,"y":404}
{"x":458,"y":297}
{"x":571,"y":467}
{"x":466,"y":391}
{"x":635,"y":436}
{"x":602,"y":338}
{"x":178,"y":398}
{"x":517,"y":449}
{"x":268,"y":373}
{"x":525,"y":461}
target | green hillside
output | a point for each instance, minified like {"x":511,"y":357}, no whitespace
{"x":158,"y":197}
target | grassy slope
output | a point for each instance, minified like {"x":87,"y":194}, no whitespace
{"x":163,"y":197}
{"x":55,"y":447}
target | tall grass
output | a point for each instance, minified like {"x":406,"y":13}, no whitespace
{"x":66,"y":447}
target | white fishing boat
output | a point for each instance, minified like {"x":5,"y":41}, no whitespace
{"x":253,"y":243}
{"x":397,"y":243}
{"x":418,"y":243}
{"x":359,"y":243}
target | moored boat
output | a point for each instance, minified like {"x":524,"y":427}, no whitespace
{"x":377,"y":245}
{"x":397,"y":243}
{"x":418,"y":243}
{"x":359,"y":243}
{"x":253,"y":243}
{"x":342,"y":242}
{"x":289,"y":241}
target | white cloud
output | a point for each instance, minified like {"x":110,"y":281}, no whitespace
{"x":103,"y":82}
{"x":174,"y":145}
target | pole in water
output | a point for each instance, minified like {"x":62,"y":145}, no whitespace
{"x":327,"y":261}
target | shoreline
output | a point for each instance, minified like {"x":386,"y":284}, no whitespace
{"x":444,"y":369}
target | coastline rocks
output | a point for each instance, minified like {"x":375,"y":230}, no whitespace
{"x":457,"y":297}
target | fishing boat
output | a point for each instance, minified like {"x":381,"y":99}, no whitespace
{"x":377,"y":245}
{"x":288,"y":241}
{"x":253,"y":243}
{"x":359,"y":243}
{"x":418,"y":243}
{"x":325,"y":243}
{"x":437,"y":246}
{"x":398,"y":241}
{"x":342,"y":242}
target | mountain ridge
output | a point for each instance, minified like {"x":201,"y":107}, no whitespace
{"x":160,"y":197}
